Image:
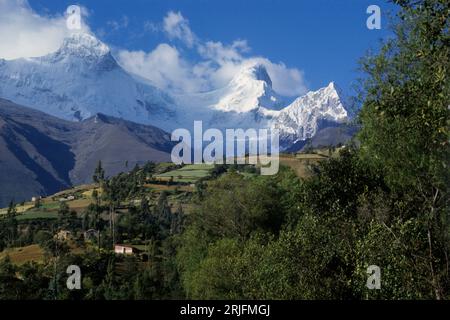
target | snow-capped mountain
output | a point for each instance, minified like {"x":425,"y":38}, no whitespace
{"x":307,"y":114}
{"x":240,"y":104}
{"x":249,"y":89}
{"x":249,"y":101}
{"x":82,"y":79}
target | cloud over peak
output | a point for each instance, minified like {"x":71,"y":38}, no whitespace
{"x":24,"y":33}
{"x":185,"y":64}
{"x":177,"y":27}
{"x":216,"y":64}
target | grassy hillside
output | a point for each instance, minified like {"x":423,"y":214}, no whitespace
{"x":176,"y":182}
{"x":22,"y":255}
{"x":189,"y":173}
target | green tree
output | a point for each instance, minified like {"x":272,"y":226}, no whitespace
{"x":99,"y":173}
{"x":9,"y":284}
{"x":163,"y":213}
{"x":64,"y":216}
{"x":10,"y":226}
{"x":406,"y":125}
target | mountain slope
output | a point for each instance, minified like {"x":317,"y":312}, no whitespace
{"x":80,"y":80}
{"x":41,"y":154}
{"x":328,"y":136}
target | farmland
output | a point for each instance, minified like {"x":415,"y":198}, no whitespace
{"x":187,"y":174}
{"x":37,"y":215}
{"x":22,"y":255}
{"x":174,"y":181}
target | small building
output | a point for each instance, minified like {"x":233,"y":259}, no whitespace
{"x":68,"y":198}
{"x":35,"y":199}
{"x":124,"y":249}
{"x":127,"y":249}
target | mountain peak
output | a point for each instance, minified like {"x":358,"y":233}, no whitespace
{"x":260,"y":73}
{"x":82,"y":44}
{"x":333,"y":88}
{"x":250,"y":89}
{"x":256,"y":71}
{"x":85,"y":48}
{"x":332,"y":85}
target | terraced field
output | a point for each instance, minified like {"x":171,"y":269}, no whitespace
{"x":188,"y":174}
{"x":37,"y":215}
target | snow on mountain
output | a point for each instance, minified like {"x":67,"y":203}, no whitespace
{"x":307,"y":114}
{"x":81,"y":79}
{"x":250,"y":89}
{"x":249,"y":101}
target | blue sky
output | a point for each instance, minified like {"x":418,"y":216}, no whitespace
{"x":322,"y":39}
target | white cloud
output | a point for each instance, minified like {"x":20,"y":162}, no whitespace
{"x":164,"y":67}
{"x":218,"y":63}
{"x":177,"y":27}
{"x":220,"y":53}
{"x":286,"y":81}
{"x":24,"y":33}
{"x":230,"y":59}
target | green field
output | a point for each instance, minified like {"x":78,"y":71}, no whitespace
{"x":49,"y":205}
{"x":37,"y":215}
{"x":189,"y":173}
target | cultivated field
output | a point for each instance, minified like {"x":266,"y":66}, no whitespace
{"x":187,"y":174}
{"x":24,"y":254}
{"x":37,"y":215}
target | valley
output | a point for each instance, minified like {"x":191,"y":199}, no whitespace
{"x":178,"y":183}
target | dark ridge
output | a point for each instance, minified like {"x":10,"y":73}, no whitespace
{"x":56,"y":152}
{"x":41,"y":154}
{"x":46,"y":179}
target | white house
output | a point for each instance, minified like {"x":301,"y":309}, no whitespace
{"x":123,"y":249}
